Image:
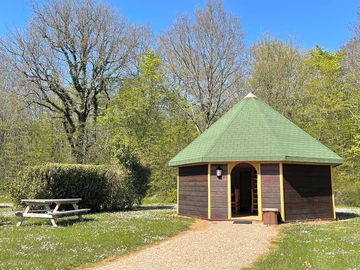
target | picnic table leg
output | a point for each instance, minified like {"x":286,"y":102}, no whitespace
{"x":22,"y":218}
{"x":76,"y":207}
{"x":52,"y":220}
{"x":56,"y":207}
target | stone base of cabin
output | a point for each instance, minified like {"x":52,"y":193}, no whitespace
{"x":300,"y":191}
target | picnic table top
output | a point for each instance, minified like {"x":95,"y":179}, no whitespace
{"x":49,"y":201}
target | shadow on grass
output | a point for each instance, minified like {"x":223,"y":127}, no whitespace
{"x":69,"y":222}
{"x":6,"y":205}
{"x":346,"y":215}
{"x":153,"y":207}
{"x":59,"y":222}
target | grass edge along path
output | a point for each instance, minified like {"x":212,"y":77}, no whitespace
{"x":315,"y":245}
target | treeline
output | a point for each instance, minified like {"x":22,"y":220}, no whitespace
{"x":80,"y":83}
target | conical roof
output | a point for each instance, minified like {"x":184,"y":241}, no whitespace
{"x":253,"y":131}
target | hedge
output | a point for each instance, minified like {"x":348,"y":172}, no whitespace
{"x":100,"y":187}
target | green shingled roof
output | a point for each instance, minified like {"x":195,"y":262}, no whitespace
{"x":253,"y":131}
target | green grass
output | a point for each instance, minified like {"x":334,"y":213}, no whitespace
{"x":158,"y":200}
{"x":5,"y":199}
{"x":36,"y":245}
{"x":333,"y":245}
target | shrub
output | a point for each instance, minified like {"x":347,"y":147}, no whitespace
{"x":138,"y":175}
{"x":100,"y":187}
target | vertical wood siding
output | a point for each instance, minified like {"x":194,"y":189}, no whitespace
{"x":307,"y":192}
{"x":193,"y":191}
{"x":270,"y":185}
{"x":218,"y":190}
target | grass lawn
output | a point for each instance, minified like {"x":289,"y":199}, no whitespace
{"x":5,"y":199}
{"x":37,"y":245}
{"x":331,"y":245}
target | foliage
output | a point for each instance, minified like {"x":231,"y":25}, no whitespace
{"x":80,"y":243}
{"x":277,"y":75}
{"x":71,"y":56}
{"x":332,"y":245}
{"x":325,"y":113}
{"x":100,"y":188}
{"x":151,"y":106}
{"x":312,"y":90}
{"x":27,"y":138}
{"x":144,"y":117}
{"x":137,"y":176}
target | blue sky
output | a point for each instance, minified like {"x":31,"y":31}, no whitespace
{"x":325,"y":23}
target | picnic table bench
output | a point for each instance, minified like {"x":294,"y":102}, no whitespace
{"x":49,"y":213}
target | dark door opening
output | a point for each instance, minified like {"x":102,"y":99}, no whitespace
{"x":243,"y":190}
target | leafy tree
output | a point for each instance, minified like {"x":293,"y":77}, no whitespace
{"x":71,"y":56}
{"x":318,"y":92}
{"x":27,"y":138}
{"x":144,"y":117}
{"x":326,"y":113}
{"x":277,"y":74}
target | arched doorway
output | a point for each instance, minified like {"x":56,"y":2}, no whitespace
{"x":244,"y":193}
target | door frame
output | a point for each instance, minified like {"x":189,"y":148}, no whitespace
{"x":256,"y":166}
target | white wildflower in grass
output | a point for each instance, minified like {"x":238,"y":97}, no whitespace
{"x":157,"y":238}
{"x":88,"y":249}
{"x":307,"y":265}
{"x":101,"y":256}
{"x":103,"y":235}
{"x":25,"y":247}
{"x":49,"y":245}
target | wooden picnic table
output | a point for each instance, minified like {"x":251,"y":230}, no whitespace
{"x":48,"y":212}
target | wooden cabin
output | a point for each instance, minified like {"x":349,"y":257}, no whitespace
{"x":253,"y":160}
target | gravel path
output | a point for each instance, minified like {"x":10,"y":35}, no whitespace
{"x":210,"y":245}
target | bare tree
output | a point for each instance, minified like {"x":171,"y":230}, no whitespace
{"x":351,"y":71}
{"x":71,"y":56}
{"x":205,"y":59}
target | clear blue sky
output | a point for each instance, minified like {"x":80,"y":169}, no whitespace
{"x":324,"y":22}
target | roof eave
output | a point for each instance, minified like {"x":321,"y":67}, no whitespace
{"x":332,"y":161}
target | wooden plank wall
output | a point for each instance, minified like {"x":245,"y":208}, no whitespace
{"x":307,"y":192}
{"x":219,"y":196}
{"x":270,"y":185}
{"x":193,"y":191}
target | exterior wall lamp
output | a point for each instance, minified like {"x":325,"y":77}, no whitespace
{"x":219,"y":172}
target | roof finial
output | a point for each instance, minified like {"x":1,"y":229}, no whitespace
{"x":250,"y":95}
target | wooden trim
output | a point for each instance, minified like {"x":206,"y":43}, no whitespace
{"x":332,"y":191}
{"x":230,"y":167}
{"x":177,"y":191}
{"x":256,"y":165}
{"x":282,"y":205}
{"x":259,"y":191}
{"x":209,"y":191}
{"x":307,"y":163}
{"x":257,"y":162}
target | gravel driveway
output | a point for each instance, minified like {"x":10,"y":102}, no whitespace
{"x":210,"y":245}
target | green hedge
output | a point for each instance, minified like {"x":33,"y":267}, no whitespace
{"x":100,"y":187}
